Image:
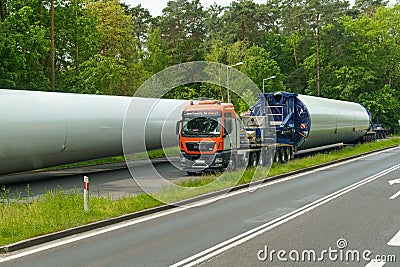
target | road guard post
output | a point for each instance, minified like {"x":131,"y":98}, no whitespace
{"x":86,"y":193}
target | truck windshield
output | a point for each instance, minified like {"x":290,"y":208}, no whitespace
{"x":201,"y":126}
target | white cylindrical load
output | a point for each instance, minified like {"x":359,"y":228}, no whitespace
{"x":334,"y":121}
{"x":150,"y":123}
{"x":42,"y":129}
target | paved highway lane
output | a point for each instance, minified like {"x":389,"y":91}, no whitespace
{"x":107,"y":180}
{"x":347,"y":231}
{"x":166,"y":239}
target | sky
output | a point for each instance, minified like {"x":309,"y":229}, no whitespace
{"x":156,"y":6}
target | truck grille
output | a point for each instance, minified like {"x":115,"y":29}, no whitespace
{"x":200,"y":146}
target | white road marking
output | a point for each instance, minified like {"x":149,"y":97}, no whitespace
{"x":395,"y":195}
{"x":396,"y":181}
{"x":79,"y":237}
{"x":240,"y":239}
{"x":395,"y":241}
{"x":375,"y":264}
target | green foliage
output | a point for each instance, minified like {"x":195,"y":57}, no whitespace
{"x":236,"y":52}
{"x":248,"y":99}
{"x":23,"y":45}
{"x":259,"y":65}
{"x":383,"y":104}
{"x":102,"y":75}
{"x":358,"y":56}
{"x":197,"y":91}
{"x":156,"y":58}
{"x":247,"y":21}
{"x":183,"y":28}
{"x":142,"y":22}
{"x":217,"y":52}
{"x":115,"y":28}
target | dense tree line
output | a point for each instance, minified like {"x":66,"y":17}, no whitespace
{"x":325,"y":48}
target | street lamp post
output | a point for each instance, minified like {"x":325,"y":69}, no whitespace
{"x":266,"y":79}
{"x":227,"y":78}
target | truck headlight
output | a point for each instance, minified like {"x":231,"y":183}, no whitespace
{"x":218,"y":160}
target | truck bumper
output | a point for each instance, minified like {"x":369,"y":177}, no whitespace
{"x":203,"y":163}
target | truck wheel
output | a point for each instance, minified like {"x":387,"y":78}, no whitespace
{"x":243,"y":161}
{"x":232,"y":164}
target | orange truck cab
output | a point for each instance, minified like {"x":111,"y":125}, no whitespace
{"x":208,"y":133}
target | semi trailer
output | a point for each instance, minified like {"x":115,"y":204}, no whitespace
{"x":213,"y":137}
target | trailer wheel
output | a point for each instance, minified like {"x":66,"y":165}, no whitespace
{"x":278,"y":158}
{"x":266,"y":158}
{"x":263,"y":158}
{"x":253,"y":161}
{"x":289,"y":153}
{"x":270,"y":157}
{"x":284,"y":156}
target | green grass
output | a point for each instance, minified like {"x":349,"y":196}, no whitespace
{"x":59,"y":210}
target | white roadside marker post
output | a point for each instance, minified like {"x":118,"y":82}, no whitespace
{"x":86,"y":193}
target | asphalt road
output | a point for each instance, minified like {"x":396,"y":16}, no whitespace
{"x":348,"y":202}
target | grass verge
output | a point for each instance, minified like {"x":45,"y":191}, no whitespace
{"x":59,"y":210}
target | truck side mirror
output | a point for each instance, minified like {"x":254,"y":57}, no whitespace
{"x":178,"y":127}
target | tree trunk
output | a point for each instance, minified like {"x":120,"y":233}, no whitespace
{"x":2,"y":10}
{"x":294,"y":49}
{"x":40,"y":6}
{"x":76,"y":37}
{"x":53,"y":78}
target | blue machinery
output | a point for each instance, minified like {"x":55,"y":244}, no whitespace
{"x":307,"y":122}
